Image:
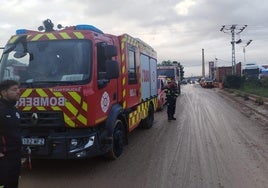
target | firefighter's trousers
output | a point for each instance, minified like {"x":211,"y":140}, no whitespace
{"x":171,"y":106}
{"x":10,"y":166}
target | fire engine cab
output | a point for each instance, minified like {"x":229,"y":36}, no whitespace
{"x":82,"y":91}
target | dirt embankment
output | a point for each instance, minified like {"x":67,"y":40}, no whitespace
{"x":248,"y":105}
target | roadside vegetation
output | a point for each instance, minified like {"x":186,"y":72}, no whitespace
{"x":255,"y":87}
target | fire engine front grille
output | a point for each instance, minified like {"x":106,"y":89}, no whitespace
{"x":42,"y":119}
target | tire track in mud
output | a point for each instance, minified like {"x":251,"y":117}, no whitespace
{"x":213,"y":144}
{"x":205,"y":141}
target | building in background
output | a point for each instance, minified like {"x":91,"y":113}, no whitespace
{"x":222,"y":72}
{"x":211,"y":69}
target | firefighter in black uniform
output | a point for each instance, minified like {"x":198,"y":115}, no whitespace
{"x":172,"y":93}
{"x":10,"y":138}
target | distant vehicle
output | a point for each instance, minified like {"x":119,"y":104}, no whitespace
{"x":263,"y":72}
{"x":170,"y":71}
{"x":206,"y":83}
{"x":251,"y":71}
{"x":184,"y":81}
{"x":192,"y":82}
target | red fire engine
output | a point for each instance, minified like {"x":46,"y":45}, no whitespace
{"x":82,"y":91}
{"x":170,"y":71}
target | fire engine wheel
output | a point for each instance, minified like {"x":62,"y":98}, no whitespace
{"x":147,"y":123}
{"x":119,"y":138}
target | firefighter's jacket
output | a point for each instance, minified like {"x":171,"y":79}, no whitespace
{"x":171,"y":90}
{"x":10,"y":139}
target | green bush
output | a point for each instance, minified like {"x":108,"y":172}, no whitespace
{"x":232,"y":81}
{"x":264,"y":82}
{"x":256,"y":87}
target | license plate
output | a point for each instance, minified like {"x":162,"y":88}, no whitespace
{"x":33,"y":141}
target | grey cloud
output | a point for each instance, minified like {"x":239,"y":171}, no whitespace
{"x":174,"y":36}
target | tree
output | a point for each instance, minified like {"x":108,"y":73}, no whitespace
{"x":165,"y":63}
{"x":181,"y":72}
{"x":180,"y":67}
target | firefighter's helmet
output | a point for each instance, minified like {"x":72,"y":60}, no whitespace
{"x":168,"y":80}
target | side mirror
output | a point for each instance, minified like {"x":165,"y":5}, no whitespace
{"x":9,"y":48}
{"x":110,"y":51}
{"x":112,"y":69}
{"x":21,"y":39}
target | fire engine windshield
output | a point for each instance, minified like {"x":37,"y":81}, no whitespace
{"x":166,"y":72}
{"x":48,"y":61}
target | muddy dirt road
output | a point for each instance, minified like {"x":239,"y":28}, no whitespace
{"x":210,"y":145}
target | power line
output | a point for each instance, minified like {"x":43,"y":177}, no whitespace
{"x":234,"y":30}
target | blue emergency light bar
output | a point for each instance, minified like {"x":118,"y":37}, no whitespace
{"x":21,"y":31}
{"x":88,"y":27}
{"x":78,"y":27}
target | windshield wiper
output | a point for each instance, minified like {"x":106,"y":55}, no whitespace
{"x":35,"y":84}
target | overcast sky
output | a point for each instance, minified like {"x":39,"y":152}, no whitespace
{"x":176,"y":29}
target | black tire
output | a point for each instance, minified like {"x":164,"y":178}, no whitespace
{"x":119,"y":141}
{"x":147,"y":123}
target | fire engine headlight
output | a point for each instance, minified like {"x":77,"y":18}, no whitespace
{"x":79,"y":144}
{"x":74,"y":142}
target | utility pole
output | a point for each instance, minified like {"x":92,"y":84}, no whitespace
{"x":234,"y":30}
{"x":203,"y":63}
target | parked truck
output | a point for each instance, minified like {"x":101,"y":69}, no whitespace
{"x":170,"y":71}
{"x":251,"y":71}
{"x":82,"y":91}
